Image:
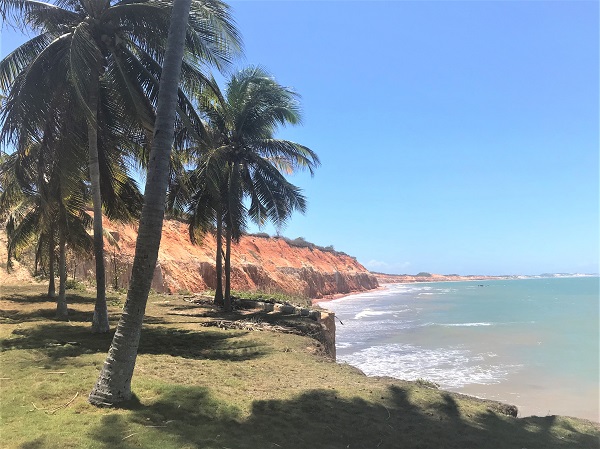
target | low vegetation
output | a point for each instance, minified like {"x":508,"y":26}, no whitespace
{"x":301,"y":242}
{"x":273,"y":297}
{"x":201,"y":385}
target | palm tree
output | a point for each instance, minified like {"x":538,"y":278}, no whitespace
{"x":114,"y":382}
{"x":44,"y":199}
{"x":195,"y":195}
{"x":49,"y":168}
{"x":245,"y":161}
{"x":91,"y":43}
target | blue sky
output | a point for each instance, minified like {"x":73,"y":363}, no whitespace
{"x":455,"y":137}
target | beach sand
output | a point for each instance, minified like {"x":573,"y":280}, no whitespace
{"x":537,"y":400}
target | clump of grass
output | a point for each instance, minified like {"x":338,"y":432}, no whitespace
{"x":273,"y":297}
{"x":427,"y":383}
{"x":74,"y":284}
{"x":115,"y":302}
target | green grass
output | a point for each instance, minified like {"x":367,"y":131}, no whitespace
{"x":205,"y":387}
{"x":273,"y":297}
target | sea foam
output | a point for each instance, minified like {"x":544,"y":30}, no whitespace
{"x":451,"y":368}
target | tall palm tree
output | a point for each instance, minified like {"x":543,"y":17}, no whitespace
{"x":44,"y":199}
{"x":114,"y":382}
{"x":49,"y":167}
{"x":246,"y":162}
{"x":86,"y":43}
{"x":195,"y":195}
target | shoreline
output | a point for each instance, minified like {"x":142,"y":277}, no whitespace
{"x":410,"y":279}
{"x":529,"y":403}
{"x":328,"y":298}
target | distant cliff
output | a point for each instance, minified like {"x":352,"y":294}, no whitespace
{"x":429,"y":277}
{"x":258,"y":263}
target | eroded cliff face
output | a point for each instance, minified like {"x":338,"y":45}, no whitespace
{"x":258,"y":263}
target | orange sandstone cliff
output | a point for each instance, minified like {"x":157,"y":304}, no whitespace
{"x":258,"y":263}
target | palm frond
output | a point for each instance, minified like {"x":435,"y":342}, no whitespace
{"x":37,"y":15}
{"x":17,"y":60}
{"x":84,"y":64}
{"x":287,"y":154}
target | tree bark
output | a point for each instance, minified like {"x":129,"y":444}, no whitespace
{"x":114,"y":382}
{"x":100,"y":319}
{"x":227,"y":300}
{"x":51,"y":258}
{"x":62,"y":311}
{"x":38,"y":256}
{"x":219,"y":258}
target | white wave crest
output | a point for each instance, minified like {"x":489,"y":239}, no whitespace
{"x":451,"y":368}
{"x":467,"y":324}
{"x":370,"y":312}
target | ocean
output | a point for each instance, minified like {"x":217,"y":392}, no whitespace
{"x":533,"y":343}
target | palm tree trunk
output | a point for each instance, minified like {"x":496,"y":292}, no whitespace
{"x":62,"y":311}
{"x":38,"y":256}
{"x":227,"y":300}
{"x":114,"y":382}
{"x":100,"y":320}
{"x":51,"y":258}
{"x":219,"y":259}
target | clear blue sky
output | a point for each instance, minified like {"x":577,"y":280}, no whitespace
{"x":455,"y":137}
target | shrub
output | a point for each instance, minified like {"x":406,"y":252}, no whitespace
{"x":74,"y":284}
{"x":262,"y":235}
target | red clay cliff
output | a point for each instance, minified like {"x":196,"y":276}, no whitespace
{"x":258,"y":263}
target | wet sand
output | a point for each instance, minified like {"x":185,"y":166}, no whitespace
{"x":538,"y":400}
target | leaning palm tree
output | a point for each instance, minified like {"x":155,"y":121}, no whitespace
{"x":246,"y":162}
{"x":89,"y":44}
{"x":114,"y":382}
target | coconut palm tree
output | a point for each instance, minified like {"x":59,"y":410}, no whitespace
{"x":196,"y":197}
{"x":245,"y":162}
{"x":44,"y":200}
{"x":49,"y":167}
{"x":114,"y":382}
{"x":120,"y":45}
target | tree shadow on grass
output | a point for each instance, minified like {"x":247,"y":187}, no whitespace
{"x":45,"y":314}
{"x":15,"y":316}
{"x":187,"y":417}
{"x":38,"y":443}
{"x":59,"y":340}
{"x":28,"y":297}
{"x":214,"y":345}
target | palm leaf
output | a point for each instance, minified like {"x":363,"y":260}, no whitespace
{"x":84,"y":64}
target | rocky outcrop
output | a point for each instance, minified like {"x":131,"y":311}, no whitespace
{"x":258,"y":263}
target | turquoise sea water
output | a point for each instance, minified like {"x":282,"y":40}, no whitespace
{"x":530,"y":342}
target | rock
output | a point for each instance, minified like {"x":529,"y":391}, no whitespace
{"x":287,"y":309}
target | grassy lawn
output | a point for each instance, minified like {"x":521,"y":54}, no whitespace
{"x":209,"y":387}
